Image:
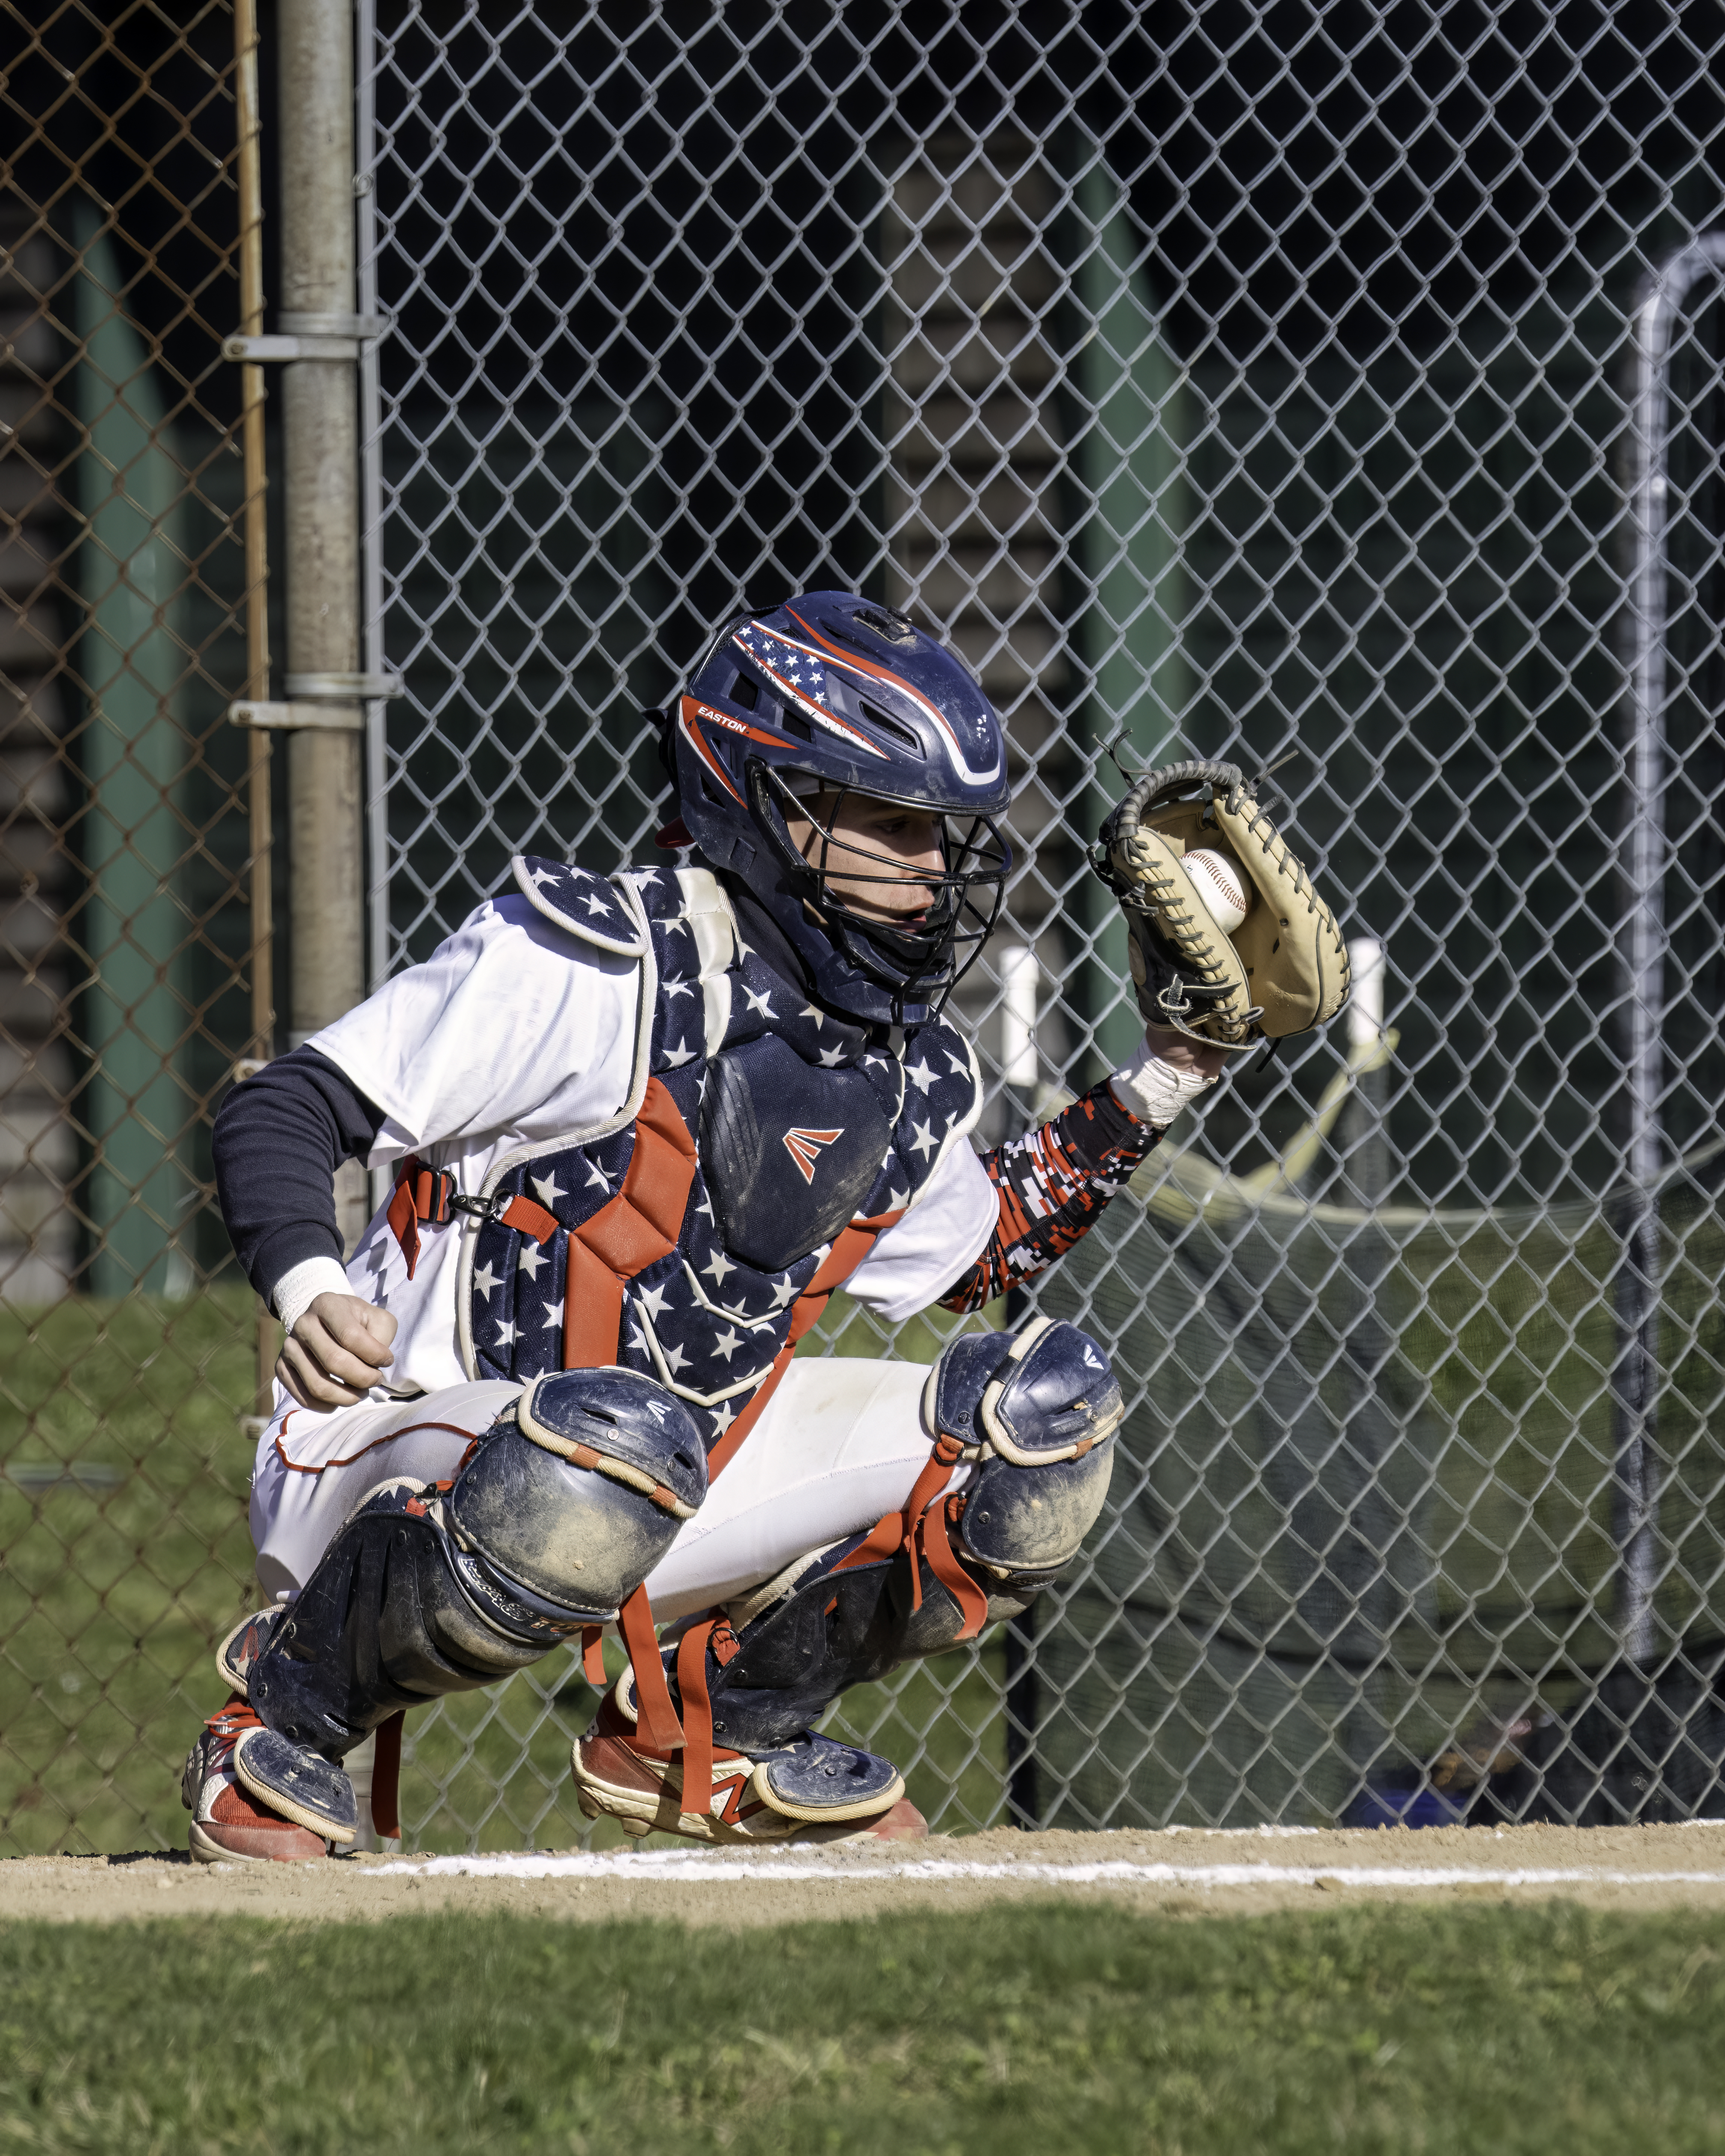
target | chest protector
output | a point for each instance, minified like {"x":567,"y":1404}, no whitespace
{"x":698,"y":1236}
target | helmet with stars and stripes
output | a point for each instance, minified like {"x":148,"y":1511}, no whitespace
{"x":827,"y":696}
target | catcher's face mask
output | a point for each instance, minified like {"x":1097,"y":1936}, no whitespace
{"x":911,"y":910}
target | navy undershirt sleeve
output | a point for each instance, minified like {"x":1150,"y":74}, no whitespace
{"x":278,"y":1141}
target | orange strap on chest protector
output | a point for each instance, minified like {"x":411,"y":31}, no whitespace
{"x":632,"y":1230}
{"x":695,"y":1733}
{"x":427,"y":1197}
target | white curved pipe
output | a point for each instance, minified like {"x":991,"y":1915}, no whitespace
{"x":1667,"y":292}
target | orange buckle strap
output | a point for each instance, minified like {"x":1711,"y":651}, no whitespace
{"x":655,"y":1717}
{"x":427,"y":1197}
{"x":421,"y":1194}
{"x":656,"y":1723}
{"x":925,"y":1528}
{"x":699,"y":1750}
{"x":697,"y":1795}
{"x":593,"y":1656}
{"x":890,"y":1535}
{"x":933,"y":1539}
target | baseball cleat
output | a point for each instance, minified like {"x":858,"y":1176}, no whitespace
{"x":230,"y":1823}
{"x":813,"y":1789}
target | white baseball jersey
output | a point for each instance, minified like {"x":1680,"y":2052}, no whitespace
{"x":514,"y":1033}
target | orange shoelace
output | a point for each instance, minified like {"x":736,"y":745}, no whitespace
{"x":231,"y":1720}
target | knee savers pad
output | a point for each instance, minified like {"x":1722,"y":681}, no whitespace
{"x":1037,"y":1408}
{"x":568,"y":1503}
{"x":826,"y":1632}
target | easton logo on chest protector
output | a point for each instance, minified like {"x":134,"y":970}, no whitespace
{"x":804,"y":1147}
{"x":756,"y":1122}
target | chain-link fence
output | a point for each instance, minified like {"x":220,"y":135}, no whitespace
{"x":127,"y":920}
{"x":1254,"y":382}
{"x":1278,"y":384}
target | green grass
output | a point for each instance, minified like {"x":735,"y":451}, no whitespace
{"x":1010,"y":2031}
{"x":124,"y":1555}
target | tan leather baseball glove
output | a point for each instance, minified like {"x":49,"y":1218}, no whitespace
{"x":1283,"y":970}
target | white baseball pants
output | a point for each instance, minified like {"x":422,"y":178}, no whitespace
{"x":837,"y":1448}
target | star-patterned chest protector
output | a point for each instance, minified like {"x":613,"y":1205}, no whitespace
{"x":700,"y":1239}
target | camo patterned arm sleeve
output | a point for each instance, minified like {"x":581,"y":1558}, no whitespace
{"x":1053,"y":1185}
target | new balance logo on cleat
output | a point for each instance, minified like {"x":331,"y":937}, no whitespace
{"x":804,"y":1147}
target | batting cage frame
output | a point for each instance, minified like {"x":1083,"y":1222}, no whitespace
{"x":1335,"y":390}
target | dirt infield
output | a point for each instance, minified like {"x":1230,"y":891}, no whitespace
{"x":1177,"y":1873}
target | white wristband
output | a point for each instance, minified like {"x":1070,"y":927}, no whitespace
{"x":301,"y":1286}
{"x":1157,"y":1091}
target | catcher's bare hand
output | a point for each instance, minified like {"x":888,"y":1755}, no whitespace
{"x":1180,"y":1054}
{"x":337,"y":1346}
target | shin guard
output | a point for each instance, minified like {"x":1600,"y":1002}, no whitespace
{"x":562,"y":1508}
{"x":1036,"y":1411}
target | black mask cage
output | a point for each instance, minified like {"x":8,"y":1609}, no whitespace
{"x":921,"y":964}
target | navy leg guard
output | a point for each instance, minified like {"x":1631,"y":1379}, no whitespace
{"x":1037,"y":1410}
{"x":564,"y":1507}
{"x":1039,"y":1419}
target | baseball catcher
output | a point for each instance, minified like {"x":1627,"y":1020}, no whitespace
{"x":641,"y":1128}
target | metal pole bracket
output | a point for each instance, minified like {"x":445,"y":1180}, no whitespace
{"x":325,"y":718}
{"x":329,"y":702}
{"x":315,"y":337}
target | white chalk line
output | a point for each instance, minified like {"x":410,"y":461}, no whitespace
{"x":648,"y":1866}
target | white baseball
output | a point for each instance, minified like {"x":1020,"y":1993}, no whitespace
{"x":1221,"y":885}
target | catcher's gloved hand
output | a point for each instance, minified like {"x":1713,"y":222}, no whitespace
{"x":1283,"y":970}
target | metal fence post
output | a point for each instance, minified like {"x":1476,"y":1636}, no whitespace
{"x":254,"y":448}
{"x":321,"y":484}
{"x":320,"y":456}
{"x":1635,"y":1522}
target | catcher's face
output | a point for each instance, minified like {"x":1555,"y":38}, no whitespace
{"x":878,"y":858}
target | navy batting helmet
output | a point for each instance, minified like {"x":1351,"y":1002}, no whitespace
{"x":830,"y":694}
